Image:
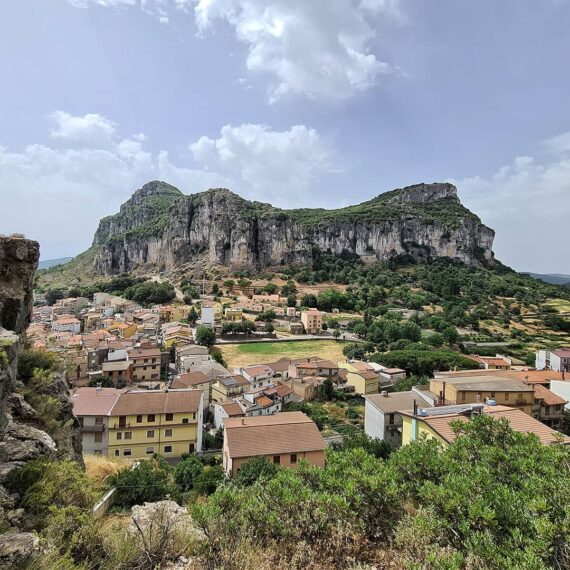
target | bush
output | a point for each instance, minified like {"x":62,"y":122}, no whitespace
{"x":30,"y":360}
{"x":205,"y":336}
{"x":151,"y":481}
{"x":254,"y":470}
{"x":151,"y":293}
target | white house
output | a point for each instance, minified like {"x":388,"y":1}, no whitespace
{"x":557,"y":360}
{"x":258,"y":376}
{"x":70,"y":324}
{"x":207,"y":315}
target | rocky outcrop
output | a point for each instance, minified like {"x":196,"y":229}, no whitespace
{"x":21,"y":438}
{"x":160,"y":229}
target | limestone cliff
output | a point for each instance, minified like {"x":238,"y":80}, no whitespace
{"x":160,"y":228}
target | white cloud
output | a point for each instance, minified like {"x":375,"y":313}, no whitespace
{"x":57,"y":194}
{"x":278,"y":166}
{"x":528,"y":203}
{"x":318,"y":48}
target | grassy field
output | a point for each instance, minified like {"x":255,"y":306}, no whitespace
{"x":263,"y":352}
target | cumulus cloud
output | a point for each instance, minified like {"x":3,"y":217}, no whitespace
{"x":57,"y":193}
{"x":276,"y":165}
{"x":528,"y":203}
{"x":316,"y":48}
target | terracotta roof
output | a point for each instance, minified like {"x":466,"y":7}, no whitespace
{"x":307,"y":365}
{"x":518,"y":420}
{"x":116,"y":365}
{"x":93,"y":402}
{"x":326,"y":364}
{"x":391,"y":371}
{"x":144,"y":353}
{"x":257,"y":370}
{"x":548,"y":397}
{"x":156,"y":402}
{"x":287,"y":432}
{"x":367,"y":374}
{"x":233,"y":380}
{"x":264,"y":401}
{"x":233,"y":409}
{"x":486,"y":383}
{"x":281,"y":391}
{"x":280,"y":365}
{"x":189,"y":379}
{"x":562,"y":352}
{"x":361,"y":366}
{"x":394,"y":401}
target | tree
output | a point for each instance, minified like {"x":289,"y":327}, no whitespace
{"x":151,"y":293}
{"x":103,"y":381}
{"x":289,"y":289}
{"x":354,"y":351}
{"x":53,"y":295}
{"x":336,"y":333}
{"x":205,"y":336}
{"x":271,"y":288}
{"x":253,"y":470}
{"x":217,"y":355}
{"x":291,"y":300}
{"x":193,"y":316}
{"x":411,"y":331}
{"x":450,"y":335}
{"x":187,"y":471}
{"x":150,"y":481}
{"x":309,"y":300}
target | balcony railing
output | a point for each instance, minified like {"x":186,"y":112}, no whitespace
{"x":93,"y":428}
{"x":119,"y":425}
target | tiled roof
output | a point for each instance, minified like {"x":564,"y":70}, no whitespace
{"x":189,"y":379}
{"x":93,"y":402}
{"x":144,"y":353}
{"x":233,"y":409}
{"x":258,"y":370}
{"x":287,"y":432}
{"x":116,"y":365}
{"x":562,"y":352}
{"x":156,"y":402}
{"x":235,"y":379}
{"x":518,"y":420}
{"x":264,"y":401}
{"x":549,"y":398}
{"x":394,"y":401}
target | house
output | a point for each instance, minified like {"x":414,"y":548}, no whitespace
{"x":557,"y":360}
{"x":138,"y":423}
{"x":120,"y":371}
{"x":312,"y":320}
{"x":92,"y":406}
{"x":313,"y":367}
{"x":382,"y":419}
{"x":283,"y":439}
{"x":146,"y":363}
{"x":258,"y":376}
{"x":362,"y":377}
{"x":234,"y":314}
{"x":482,"y":388}
{"x":67,"y":324}
{"x":498,"y":362}
{"x":296,"y":328}
{"x":207,"y":314}
{"x":195,"y":380}
{"x":303,"y":388}
{"x":224,"y":410}
{"x":436,"y":422}
{"x":388,"y":376}
{"x":228,"y":387}
{"x":550,"y":407}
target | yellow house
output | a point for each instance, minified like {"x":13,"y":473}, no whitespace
{"x":233,"y":314}
{"x":229,"y":387}
{"x":143,"y":422}
{"x":364,"y":380}
{"x":482,"y":388}
{"x":436,"y":422}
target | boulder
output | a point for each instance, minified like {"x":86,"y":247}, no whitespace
{"x":18,"y":548}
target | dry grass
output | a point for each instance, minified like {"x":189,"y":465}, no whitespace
{"x":261,"y":353}
{"x":99,"y":467}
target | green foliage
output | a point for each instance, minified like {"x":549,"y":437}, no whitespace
{"x":205,"y":336}
{"x":270,"y":288}
{"x":104,"y":381}
{"x":53,"y":295}
{"x":266,"y":316}
{"x":30,"y":360}
{"x":187,"y":471}
{"x":422,"y":362}
{"x":151,"y":481}
{"x":218,"y":356}
{"x":43,"y":484}
{"x":151,"y":293}
{"x":255,"y":470}
{"x":244,"y":327}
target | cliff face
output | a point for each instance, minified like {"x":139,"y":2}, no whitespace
{"x":161,"y":229}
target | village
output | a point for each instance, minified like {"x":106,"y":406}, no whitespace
{"x":149,"y":381}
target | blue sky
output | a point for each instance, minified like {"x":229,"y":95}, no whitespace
{"x":295,"y":102}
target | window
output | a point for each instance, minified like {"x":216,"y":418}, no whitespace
{"x":193,"y":415}
{"x":80,"y":422}
{"x":149,"y":450}
{"x":506,"y":396}
{"x":116,"y":453}
{"x":184,"y":420}
{"x":98,"y":438}
{"x":293,"y":458}
{"x":390,"y":419}
{"x":492,"y":395}
{"x":167,"y":433}
{"x":150,"y":433}
{"x":126,"y":452}
{"x":119,"y":435}
{"x":168,"y":449}
{"x":139,"y":419}
{"x":277,"y":459}
{"x":150,"y":418}
{"x":463,"y":396}
{"x":128,"y":435}
{"x":169,"y":417}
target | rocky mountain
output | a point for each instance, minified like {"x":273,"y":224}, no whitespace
{"x":159,"y":228}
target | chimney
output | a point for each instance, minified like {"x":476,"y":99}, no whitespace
{"x":243,"y":421}
{"x":415,"y":408}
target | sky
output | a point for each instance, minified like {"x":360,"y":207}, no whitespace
{"x":301,"y":103}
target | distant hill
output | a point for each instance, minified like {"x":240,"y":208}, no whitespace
{"x":53,"y":262}
{"x":552,"y":278}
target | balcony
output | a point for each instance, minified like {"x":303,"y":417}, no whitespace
{"x":93,"y":429}
{"x":120,"y":425}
